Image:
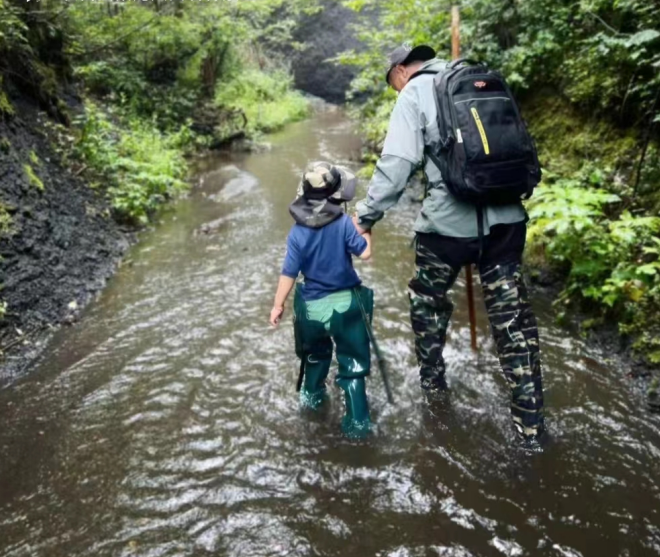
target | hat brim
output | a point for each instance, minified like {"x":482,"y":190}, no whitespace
{"x":421,"y":53}
{"x":346,"y":191}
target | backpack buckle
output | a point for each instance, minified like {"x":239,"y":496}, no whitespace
{"x":447,"y":143}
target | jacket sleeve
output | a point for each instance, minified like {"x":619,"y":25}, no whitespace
{"x":403,"y":153}
{"x":385,"y":189}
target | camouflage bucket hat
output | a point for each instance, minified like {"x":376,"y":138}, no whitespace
{"x":323,"y":180}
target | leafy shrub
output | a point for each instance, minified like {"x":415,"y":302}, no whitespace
{"x":142,"y":166}
{"x":166,"y":61}
{"x":266,"y":99}
{"x":612,"y":262}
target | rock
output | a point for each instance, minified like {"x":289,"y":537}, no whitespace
{"x":324,"y":35}
{"x":210,"y":227}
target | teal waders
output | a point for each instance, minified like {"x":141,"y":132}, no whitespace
{"x":336,"y":317}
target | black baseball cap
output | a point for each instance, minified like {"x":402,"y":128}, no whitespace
{"x":405,"y":54}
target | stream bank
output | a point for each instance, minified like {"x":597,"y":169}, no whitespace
{"x":61,"y":243}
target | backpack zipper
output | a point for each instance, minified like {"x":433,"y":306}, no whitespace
{"x":483,"y":99}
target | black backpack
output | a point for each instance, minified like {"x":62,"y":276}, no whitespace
{"x":486,"y":155}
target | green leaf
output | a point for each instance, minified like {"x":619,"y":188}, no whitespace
{"x":649,"y":269}
{"x":644,"y":36}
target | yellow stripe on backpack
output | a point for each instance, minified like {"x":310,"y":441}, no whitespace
{"x":482,"y":132}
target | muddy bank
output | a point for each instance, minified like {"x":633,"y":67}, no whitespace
{"x":603,"y":337}
{"x":59,"y":246}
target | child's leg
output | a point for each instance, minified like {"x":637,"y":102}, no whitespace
{"x":353,"y":355}
{"x":314,"y":347}
{"x":317,"y":365}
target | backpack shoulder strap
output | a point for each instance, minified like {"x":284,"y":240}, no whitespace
{"x":466,"y":61}
{"x":422,"y":72}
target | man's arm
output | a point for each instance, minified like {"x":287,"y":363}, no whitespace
{"x":403,"y":153}
{"x":385,"y":189}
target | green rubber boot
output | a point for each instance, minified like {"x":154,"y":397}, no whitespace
{"x":313,"y":392}
{"x":356,"y":422}
{"x":314,"y":348}
{"x":353,"y":356}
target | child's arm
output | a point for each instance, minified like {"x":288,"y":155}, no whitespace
{"x":290,"y":270}
{"x":355,"y":241}
{"x":366,"y":254}
{"x":283,"y":290}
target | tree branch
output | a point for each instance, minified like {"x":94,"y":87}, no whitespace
{"x":119,"y":39}
{"x":647,"y":140}
{"x":604,"y":23}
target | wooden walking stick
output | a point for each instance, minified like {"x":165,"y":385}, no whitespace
{"x":455,"y":53}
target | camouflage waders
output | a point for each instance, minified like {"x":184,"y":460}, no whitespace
{"x":512,"y":323}
{"x":314,"y":346}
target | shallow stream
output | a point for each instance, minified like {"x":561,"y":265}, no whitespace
{"x":165,"y":423}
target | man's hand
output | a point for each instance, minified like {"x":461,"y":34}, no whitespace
{"x":276,"y":315}
{"x":361,"y":231}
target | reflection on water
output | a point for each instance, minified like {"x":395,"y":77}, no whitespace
{"x":166,"y":422}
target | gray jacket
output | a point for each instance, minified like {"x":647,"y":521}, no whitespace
{"x":413,"y":125}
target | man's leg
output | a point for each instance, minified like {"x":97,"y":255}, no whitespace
{"x":430,"y":310}
{"x":353,"y":355}
{"x":517,"y":339}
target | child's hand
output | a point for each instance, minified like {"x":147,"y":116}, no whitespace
{"x":359,"y":229}
{"x":276,"y":315}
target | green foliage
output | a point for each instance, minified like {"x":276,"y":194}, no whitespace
{"x":602,"y":55}
{"x":141,"y":166}
{"x":166,"y":62}
{"x":612,"y":260}
{"x":6,"y":107}
{"x":32,"y":177}
{"x":267,"y":100}
{"x":5,"y":220}
{"x":369,"y":91}
{"x":13,"y":30}
{"x":156,"y":67}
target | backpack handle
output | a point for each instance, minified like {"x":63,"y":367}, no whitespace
{"x":455,"y":63}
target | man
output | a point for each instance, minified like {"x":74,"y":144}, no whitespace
{"x":447,"y":239}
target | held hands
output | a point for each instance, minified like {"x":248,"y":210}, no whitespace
{"x":361,"y":231}
{"x":276,"y":315}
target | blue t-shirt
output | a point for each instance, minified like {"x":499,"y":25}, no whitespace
{"x":323,"y":256}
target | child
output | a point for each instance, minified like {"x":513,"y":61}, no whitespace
{"x":326,"y":304}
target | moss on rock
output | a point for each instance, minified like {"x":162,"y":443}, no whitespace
{"x":6,"y":108}
{"x":567,"y":137}
{"x":32,"y":177}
